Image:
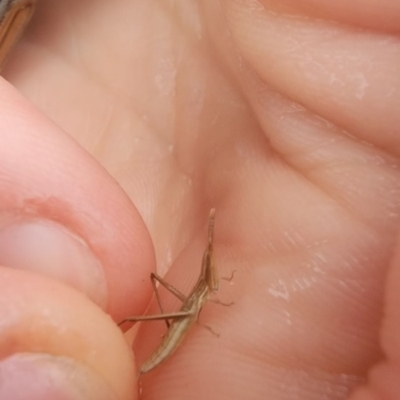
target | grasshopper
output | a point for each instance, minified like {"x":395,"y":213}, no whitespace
{"x":14,"y":16}
{"x":188,"y":314}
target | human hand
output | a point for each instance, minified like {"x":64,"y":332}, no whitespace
{"x":283,"y":119}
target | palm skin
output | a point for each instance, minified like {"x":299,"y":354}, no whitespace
{"x":283,"y":119}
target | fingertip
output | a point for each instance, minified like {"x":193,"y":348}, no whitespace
{"x":47,"y":179}
{"x":43,"y":317}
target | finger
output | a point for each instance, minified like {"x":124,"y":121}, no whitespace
{"x":369,"y":14}
{"x":54,"y":343}
{"x":62,"y":215}
{"x":345,"y":75}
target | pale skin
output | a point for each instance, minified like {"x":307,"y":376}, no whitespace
{"x":191,"y":106}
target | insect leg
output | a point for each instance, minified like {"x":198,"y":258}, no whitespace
{"x":209,"y":329}
{"x":174,"y":315}
{"x":229,"y":278}
{"x":216,"y":301}
{"x":154,"y":277}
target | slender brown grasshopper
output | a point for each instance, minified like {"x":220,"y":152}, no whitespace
{"x":188,"y":314}
{"x":14,"y":16}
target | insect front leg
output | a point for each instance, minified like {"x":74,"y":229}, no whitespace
{"x":154,"y":277}
{"x":166,"y":316}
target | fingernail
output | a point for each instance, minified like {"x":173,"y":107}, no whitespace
{"x":43,"y":377}
{"x":52,"y":250}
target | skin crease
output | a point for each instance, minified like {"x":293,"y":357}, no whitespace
{"x":283,"y":119}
